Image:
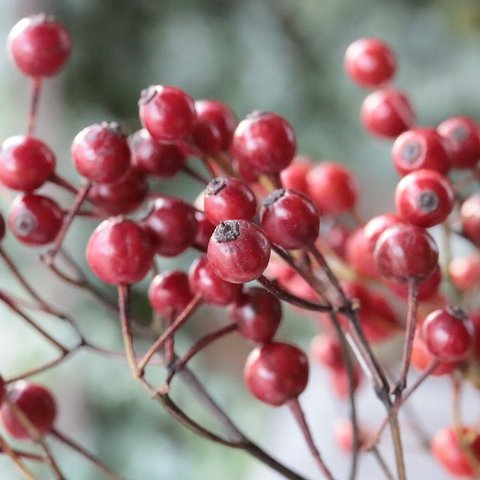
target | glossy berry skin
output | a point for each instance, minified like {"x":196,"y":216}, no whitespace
{"x":276,"y":372}
{"x":172,"y":225}
{"x":168,"y":113}
{"x":35,"y":220}
{"x":154,"y":158}
{"x":119,"y":252}
{"x":36,"y":403}
{"x":169,"y":293}
{"x":214,"y":290}
{"x":326,"y":350}
{"x":387,"y":113}
{"x":257,"y":314}
{"x":470,"y":217}
{"x":427,"y":287}
{"x":100,"y":152}
{"x":370,"y":63}
{"x":359,"y":254}
{"x":290,"y":219}
{"x":420,"y":148}
{"x":448,"y":334}
{"x":204,"y":231}
{"x":422,"y":358}
{"x":123,"y":196}
{"x":405,"y":252}
{"x":39,"y":45}
{"x":462,"y":141}
{"x":206,"y":137}
{"x":294,"y":177}
{"x":219,"y":115}
{"x":447,"y":449}
{"x":424,"y":198}
{"x":464,"y":272}
{"x":26,"y":163}
{"x":264,"y":143}
{"x":332,"y":187}
{"x":377,"y":225}
{"x":238,"y":251}
{"x":228,"y":198}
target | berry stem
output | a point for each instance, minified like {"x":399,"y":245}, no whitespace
{"x":383,"y":464}
{"x":126,"y":323}
{"x":62,"y":182}
{"x":194,"y":174}
{"x":110,"y":474}
{"x":34,"y":103}
{"x":299,"y":415}
{"x":16,"y":458}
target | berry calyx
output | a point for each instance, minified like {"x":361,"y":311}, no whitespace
{"x":276,"y":372}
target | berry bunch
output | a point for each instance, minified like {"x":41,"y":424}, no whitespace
{"x":264,"y":215}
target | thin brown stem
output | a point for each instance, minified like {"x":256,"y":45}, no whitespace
{"x":382,"y":463}
{"x":17,"y":459}
{"x":299,"y":415}
{"x":195,"y":175}
{"x":34,"y":104}
{"x":63,"y":183}
{"x":125,"y":321}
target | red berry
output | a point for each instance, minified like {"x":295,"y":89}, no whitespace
{"x":213,"y":289}
{"x":332,"y":187}
{"x":447,"y":449}
{"x":326,"y":350}
{"x":377,"y":225}
{"x":340,"y":382}
{"x":422,"y":358}
{"x":26,"y":163}
{"x":119,"y":252}
{"x":153,"y":158}
{"x":359,"y":254}
{"x":343,"y":431}
{"x":369,"y":62}
{"x":35,"y":219}
{"x":424,"y":198}
{"x":229,"y":198}
{"x":387,"y":113}
{"x":448,"y":334}
{"x":39,"y":45}
{"x":219,"y":115}
{"x":238,"y":251}
{"x":294,"y":177}
{"x":206,"y":137}
{"x":336,"y":238}
{"x":462,"y":141}
{"x":420,"y":148}
{"x":36,"y":403}
{"x":100,"y":152}
{"x":427,"y":287}
{"x":169,"y":293}
{"x":465,"y":272}
{"x":122,"y":196}
{"x":470,"y":216}
{"x":264,"y":143}
{"x":172,"y":225}
{"x":168,"y":113}
{"x":290,"y":219}
{"x":405,"y":252}
{"x":276,"y":372}
{"x":257,"y":314}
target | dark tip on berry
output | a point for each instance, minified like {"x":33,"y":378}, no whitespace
{"x":215,"y":185}
{"x":24,"y":224}
{"x":273,"y":197}
{"x":147,"y":94}
{"x":115,"y":128}
{"x":411,"y":152}
{"x":227,"y":231}
{"x":428,"y":201}
{"x":457,"y":312}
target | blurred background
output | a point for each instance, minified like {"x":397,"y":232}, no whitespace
{"x":280,"y":55}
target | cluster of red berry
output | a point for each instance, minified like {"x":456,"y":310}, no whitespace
{"x":263,"y":215}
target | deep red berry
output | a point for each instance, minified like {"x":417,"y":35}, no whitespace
{"x":332,"y":187}
{"x":229,"y":198}
{"x":36,"y":403}
{"x":154,"y":158}
{"x":405,"y":252}
{"x":422,"y":358}
{"x":369,"y":62}
{"x":377,"y":225}
{"x":168,"y":113}
{"x":122,"y":196}
{"x":206,"y":137}
{"x":387,"y":113}
{"x":427,"y":287}
{"x":326,"y":350}
{"x":257,"y":314}
{"x":462,"y":141}
{"x":219,"y":115}
{"x":448,"y":450}
{"x":448,"y":334}
{"x":294,"y":177}
{"x":39,"y":45}
{"x":264,"y":143}
{"x":420,"y":148}
{"x":213,"y":289}
{"x":35,"y":219}
{"x":172,"y":225}
{"x":238,"y":251}
{"x":424,"y":198}
{"x":290,"y":219}
{"x":465,"y":272}
{"x":119,"y":252}
{"x":26,"y":163}
{"x":204,"y":231}
{"x":470,"y":216}
{"x":359,"y":254}
{"x":169,"y":293}
{"x":337,"y":237}
{"x":100,"y":152}
{"x":276,"y":372}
